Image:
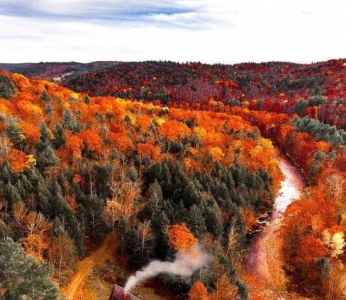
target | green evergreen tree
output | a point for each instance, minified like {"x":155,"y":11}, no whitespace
{"x":48,"y":109}
{"x":180,"y":212}
{"x":127,"y":120}
{"x":45,"y":134}
{"x":45,"y":96}
{"x":196,"y":221}
{"x":43,"y":197}
{"x":70,"y":122}
{"x":11,"y":193}
{"x":21,"y":276}
{"x":243,"y":290}
{"x":21,"y":190}
{"x":87,"y":99}
{"x":122,"y":229}
{"x":324,"y":267}
{"x":49,"y":157}
{"x":159,"y":224}
{"x":7,"y":87}
{"x":190,"y":196}
{"x":133,"y":248}
{"x":213,"y":221}
{"x":301,"y":107}
{"x":44,"y":153}
{"x":58,"y":208}
{"x":5,"y":230}
{"x":15,"y":134}
{"x":60,"y":137}
{"x":94,"y":214}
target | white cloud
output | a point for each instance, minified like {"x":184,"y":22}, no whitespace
{"x":196,"y":30}
{"x":96,"y":8}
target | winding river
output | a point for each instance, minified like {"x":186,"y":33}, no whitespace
{"x":265,"y":256}
{"x":291,"y":187}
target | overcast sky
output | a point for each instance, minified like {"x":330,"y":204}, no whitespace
{"x":210,"y":31}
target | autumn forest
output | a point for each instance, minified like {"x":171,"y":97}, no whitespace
{"x":154,"y":160}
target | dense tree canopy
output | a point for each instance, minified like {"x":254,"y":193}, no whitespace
{"x":204,"y":167}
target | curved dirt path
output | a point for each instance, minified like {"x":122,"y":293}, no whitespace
{"x":265,"y":259}
{"x":73,"y":291}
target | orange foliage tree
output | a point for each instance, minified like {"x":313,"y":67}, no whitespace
{"x":31,"y":133}
{"x":310,"y":249}
{"x":308,"y":224}
{"x":92,"y":140}
{"x":173,"y":130}
{"x":148,"y":150}
{"x":224,"y":290}
{"x":17,"y":160}
{"x":121,"y":141}
{"x":74,"y":144}
{"x":198,"y":291}
{"x":143,"y":123}
{"x":36,"y":245}
{"x":180,"y":237}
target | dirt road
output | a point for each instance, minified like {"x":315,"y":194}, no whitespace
{"x":73,"y":291}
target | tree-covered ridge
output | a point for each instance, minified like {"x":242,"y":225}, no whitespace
{"x":57,"y":71}
{"x":73,"y":167}
{"x":316,"y":90}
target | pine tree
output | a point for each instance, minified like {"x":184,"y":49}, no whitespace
{"x":69,"y":121}
{"x":11,"y":193}
{"x":87,"y":99}
{"x":15,"y":134}
{"x":122,"y":229}
{"x":133,"y":248}
{"x":60,"y":137}
{"x":213,"y":221}
{"x":45,"y":155}
{"x":5,"y":230}
{"x":196,"y":221}
{"x":45,"y":96}
{"x":7,"y":87}
{"x":49,"y":158}
{"x":22,"y":275}
{"x":159,"y":224}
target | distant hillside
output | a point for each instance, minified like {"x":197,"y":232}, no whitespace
{"x":315,"y":90}
{"x":56,"y":71}
{"x":249,"y":78}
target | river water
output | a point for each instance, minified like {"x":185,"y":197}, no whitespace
{"x":291,"y":187}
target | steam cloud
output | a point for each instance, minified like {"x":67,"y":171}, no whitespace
{"x":185,"y":263}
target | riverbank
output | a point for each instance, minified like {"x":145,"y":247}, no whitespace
{"x":264,"y":260}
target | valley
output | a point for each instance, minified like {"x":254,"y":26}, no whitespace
{"x":168,"y":156}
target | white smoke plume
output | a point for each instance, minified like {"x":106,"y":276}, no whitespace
{"x":185,"y":264}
